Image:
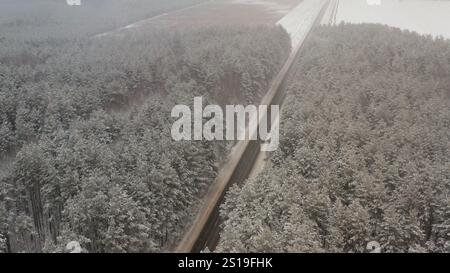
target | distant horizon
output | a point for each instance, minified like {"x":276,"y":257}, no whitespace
{"x":252,"y":127}
{"x":426,"y":17}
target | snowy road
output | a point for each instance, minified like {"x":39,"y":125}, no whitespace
{"x":246,"y":159}
{"x":298,"y":23}
{"x":330,"y":16}
{"x":300,"y":20}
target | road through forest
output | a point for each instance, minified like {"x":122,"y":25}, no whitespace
{"x":205,"y":229}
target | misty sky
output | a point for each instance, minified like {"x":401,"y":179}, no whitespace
{"x":425,"y":17}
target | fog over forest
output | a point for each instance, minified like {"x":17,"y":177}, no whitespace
{"x":89,"y":162}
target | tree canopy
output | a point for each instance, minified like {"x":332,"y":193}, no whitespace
{"x":364,"y":153}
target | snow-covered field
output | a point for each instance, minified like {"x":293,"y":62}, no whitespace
{"x":218,"y":12}
{"x":424,"y":17}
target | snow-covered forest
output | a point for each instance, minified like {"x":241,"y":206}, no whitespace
{"x":85,"y":146}
{"x":364,"y":153}
{"x":87,"y":158}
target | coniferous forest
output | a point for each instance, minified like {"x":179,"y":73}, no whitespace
{"x":85,"y":146}
{"x":87,"y":156}
{"x":364,"y":153}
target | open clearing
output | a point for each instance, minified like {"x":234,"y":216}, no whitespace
{"x":220,"y":12}
{"x":424,"y":17}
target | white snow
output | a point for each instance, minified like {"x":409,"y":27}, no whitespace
{"x":272,"y":6}
{"x":73,"y":2}
{"x":74,"y":247}
{"x":424,"y":17}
